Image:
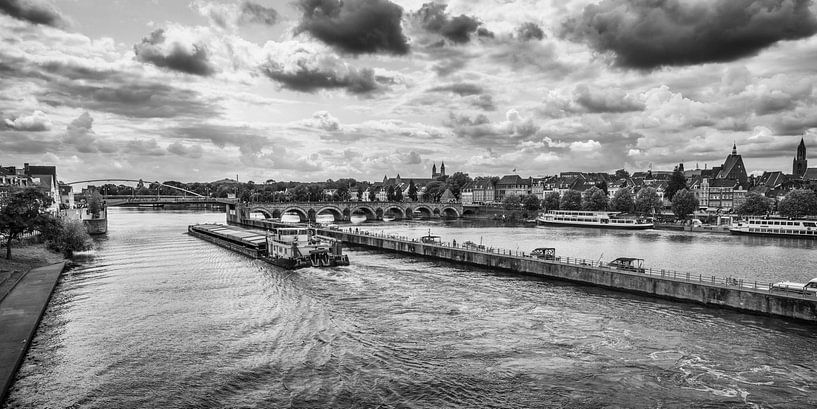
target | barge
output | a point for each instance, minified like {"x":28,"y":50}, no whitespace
{"x":288,"y":247}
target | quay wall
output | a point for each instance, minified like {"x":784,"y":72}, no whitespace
{"x":662,"y":284}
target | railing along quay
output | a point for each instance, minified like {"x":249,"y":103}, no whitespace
{"x":710,"y":290}
{"x":663,"y":273}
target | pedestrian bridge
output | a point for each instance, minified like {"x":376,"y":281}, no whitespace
{"x":343,"y":211}
{"x":162,"y":200}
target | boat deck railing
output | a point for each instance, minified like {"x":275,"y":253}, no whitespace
{"x":666,"y":274}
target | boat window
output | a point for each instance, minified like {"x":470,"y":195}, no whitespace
{"x":810,"y":224}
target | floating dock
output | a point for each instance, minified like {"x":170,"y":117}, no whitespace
{"x":708,"y":290}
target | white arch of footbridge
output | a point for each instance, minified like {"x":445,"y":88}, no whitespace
{"x":136,"y":181}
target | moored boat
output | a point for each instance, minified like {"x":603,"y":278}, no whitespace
{"x":579,"y":218}
{"x":776,"y":227}
{"x":287,"y":247}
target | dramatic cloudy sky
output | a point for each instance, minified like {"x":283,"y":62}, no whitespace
{"x":318,"y":89}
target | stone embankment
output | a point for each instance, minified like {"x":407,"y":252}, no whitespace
{"x":708,"y":290}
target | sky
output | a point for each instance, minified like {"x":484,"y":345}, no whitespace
{"x":309,"y":90}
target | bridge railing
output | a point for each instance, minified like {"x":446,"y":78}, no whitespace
{"x":666,"y":274}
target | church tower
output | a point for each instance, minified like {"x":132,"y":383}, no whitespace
{"x":442,"y":168}
{"x":434,"y":171}
{"x":800,"y":163}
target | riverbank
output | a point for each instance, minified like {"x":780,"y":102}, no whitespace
{"x":20,"y":314}
{"x":23,"y":259}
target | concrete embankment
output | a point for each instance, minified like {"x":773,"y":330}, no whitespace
{"x":660,"y":283}
{"x":20,"y":314}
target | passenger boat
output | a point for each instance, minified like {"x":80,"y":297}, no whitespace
{"x":580,"y":218}
{"x":287,"y":247}
{"x":776,"y":227}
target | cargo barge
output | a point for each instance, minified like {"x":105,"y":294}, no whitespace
{"x":288,"y":247}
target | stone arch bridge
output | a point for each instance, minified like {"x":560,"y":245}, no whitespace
{"x":343,"y":211}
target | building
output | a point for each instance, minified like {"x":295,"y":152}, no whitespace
{"x":733,"y":168}
{"x":435,"y":174}
{"x":723,"y":194}
{"x":799,"y":165}
{"x":66,"y":196}
{"x":511,"y":185}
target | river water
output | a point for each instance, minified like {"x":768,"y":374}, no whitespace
{"x":155,"y":318}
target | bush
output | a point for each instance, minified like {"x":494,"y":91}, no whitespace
{"x":72,"y":236}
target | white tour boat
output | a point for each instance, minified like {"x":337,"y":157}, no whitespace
{"x":776,"y":227}
{"x":582,"y":218}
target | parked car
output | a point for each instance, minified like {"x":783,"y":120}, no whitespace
{"x":544,"y":253}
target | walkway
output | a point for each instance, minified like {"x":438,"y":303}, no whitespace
{"x":20,"y":314}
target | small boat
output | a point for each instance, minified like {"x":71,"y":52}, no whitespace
{"x":806,"y":229}
{"x":544,"y":253}
{"x":809,"y":288}
{"x":430,"y":239}
{"x":628,"y":264}
{"x":578,"y":218}
{"x":389,"y":218}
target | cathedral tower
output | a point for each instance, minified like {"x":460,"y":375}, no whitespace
{"x":800,"y":163}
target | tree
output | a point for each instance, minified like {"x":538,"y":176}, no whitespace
{"x":23,"y":212}
{"x":456,"y":181}
{"x":412,"y":191}
{"x":647,"y":200}
{"x":511,"y":202}
{"x":603,"y":186}
{"x":551,"y":201}
{"x":398,"y":194}
{"x":433,"y":191}
{"x":622,"y":174}
{"x":683,"y":203}
{"x":571,"y":200}
{"x":594,"y":199}
{"x":676,"y":182}
{"x":623,"y":201}
{"x":530,"y":202}
{"x":372,"y":194}
{"x":390,"y":193}
{"x":798,"y":203}
{"x":94,"y":201}
{"x":755,"y":204}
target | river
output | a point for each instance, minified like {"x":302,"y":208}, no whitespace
{"x":155,"y":318}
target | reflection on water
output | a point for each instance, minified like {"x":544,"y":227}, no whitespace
{"x":155,"y":318}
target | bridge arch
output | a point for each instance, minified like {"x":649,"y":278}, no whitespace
{"x":424,"y":211}
{"x":267,"y":214}
{"x":450,"y":212}
{"x":335,"y":211}
{"x":367,"y":211}
{"x":401,"y":214}
{"x":303,"y":215}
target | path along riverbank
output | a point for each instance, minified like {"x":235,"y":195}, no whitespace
{"x":20,"y":313}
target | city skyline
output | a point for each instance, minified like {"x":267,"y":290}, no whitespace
{"x":312,"y":90}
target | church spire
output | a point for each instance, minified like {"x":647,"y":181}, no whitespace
{"x":734,"y":148}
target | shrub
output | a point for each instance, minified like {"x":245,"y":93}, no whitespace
{"x":72,"y":236}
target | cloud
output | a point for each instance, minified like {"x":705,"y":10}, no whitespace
{"x":433,"y":18}
{"x":32,"y":11}
{"x":191,"y":151}
{"x":462,"y":89}
{"x":484,"y":102}
{"x":606,"y":99}
{"x":322,"y":120}
{"x":307,"y":71}
{"x":647,"y":34}
{"x":141,"y":147}
{"x":230,"y":15}
{"x":36,"y":122}
{"x":412,"y":158}
{"x":529,"y":31}
{"x":355,"y":26}
{"x":174,"y":55}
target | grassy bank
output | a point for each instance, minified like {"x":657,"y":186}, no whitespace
{"x":23,"y":258}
